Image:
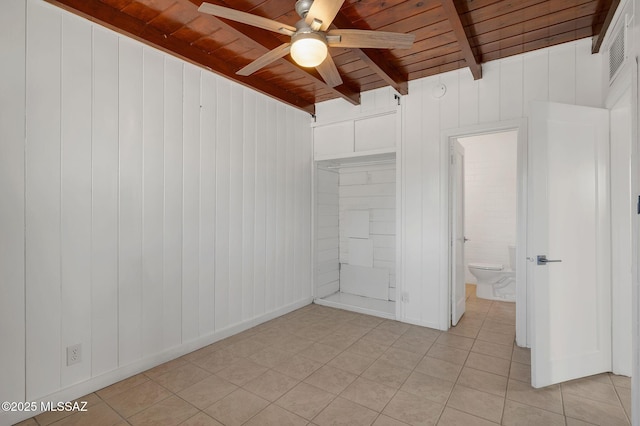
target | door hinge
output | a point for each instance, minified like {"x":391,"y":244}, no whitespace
{"x":638,"y":204}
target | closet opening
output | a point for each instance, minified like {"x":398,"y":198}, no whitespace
{"x":356,"y":233}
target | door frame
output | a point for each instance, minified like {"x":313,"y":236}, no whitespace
{"x":522,"y":299}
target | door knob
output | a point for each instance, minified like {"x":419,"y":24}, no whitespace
{"x":542,"y":259}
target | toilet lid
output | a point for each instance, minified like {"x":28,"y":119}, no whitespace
{"x":487,"y":266}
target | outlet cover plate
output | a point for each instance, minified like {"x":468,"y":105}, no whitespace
{"x":74,"y":354}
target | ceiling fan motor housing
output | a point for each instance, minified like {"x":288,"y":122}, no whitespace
{"x":302,"y":7}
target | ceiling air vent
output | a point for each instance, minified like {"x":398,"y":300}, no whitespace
{"x":617,"y":53}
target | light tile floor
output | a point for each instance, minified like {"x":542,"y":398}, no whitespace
{"x":323,"y":366}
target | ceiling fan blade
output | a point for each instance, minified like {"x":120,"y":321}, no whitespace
{"x":329,"y":72}
{"x":325,"y":11}
{"x":246,"y":18}
{"x":265,"y":59}
{"x":370,"y":39}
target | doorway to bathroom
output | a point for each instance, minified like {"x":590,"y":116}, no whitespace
{"x":487,"y":168}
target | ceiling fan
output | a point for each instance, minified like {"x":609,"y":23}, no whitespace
{"x":311,"y":37}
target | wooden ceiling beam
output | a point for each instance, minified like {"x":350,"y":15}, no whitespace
{"x":375,"y":60}
{"x":465,"y":47}
{"x":600,"y":27}
{"x":110,"y":17}
{"x":265,"y":39}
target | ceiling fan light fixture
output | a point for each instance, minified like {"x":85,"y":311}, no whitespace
{"x":309,"y":49}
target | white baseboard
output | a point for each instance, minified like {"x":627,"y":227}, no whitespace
{"x":93,"y":384}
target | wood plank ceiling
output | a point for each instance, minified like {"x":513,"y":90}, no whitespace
{"x":450,"y":34}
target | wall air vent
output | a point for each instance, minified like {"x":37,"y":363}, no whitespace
{"x":617,"y":53}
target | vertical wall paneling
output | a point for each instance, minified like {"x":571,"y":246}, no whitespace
{"x":206,"y":291}
{"x":588,"y":70}
{"x":566,"y":73}
{"x":271,"y":214}
{"x":12,"y":185}
{"x":130,"y":215}
{"x":412,"y":197}
{"x":42,"y":215}
{"x":536,"y":78}
{"x":172,"y":294}
{"x":562,"y":73}
{"x":248,"y":202}
{"x":260,"y":215}
{"x":151,"y":206}
{"x":511,"y":88}
{"x":281,"y":224}
{"x":302,"y":260}
{"x":191,"y":202}
{"x":469,"y":101}
{"x":104,"y":236}
{"x":222,"y":236}
{"x":432,"y":224}
{"x":306,"y":148}
{"x":489,"y":93}
{"x":289,"y":164}
{"x":235,"y":204}
{"x":75,"y":237}
{"x":327,"y":257}
{"x":153,"y":202}
{"x":449,"y":103}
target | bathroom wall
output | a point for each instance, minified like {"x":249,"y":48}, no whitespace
{"x":490,"y":198}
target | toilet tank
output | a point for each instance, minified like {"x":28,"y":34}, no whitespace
{"x":512,"y":257}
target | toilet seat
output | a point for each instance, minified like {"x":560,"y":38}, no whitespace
{"x":487,"y":266}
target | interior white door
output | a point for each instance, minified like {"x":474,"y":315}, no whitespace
{"x":458,"y":293}
{"x":569,"y":221}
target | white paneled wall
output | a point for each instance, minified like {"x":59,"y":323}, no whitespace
{"x":152,"y":208}
{"x":371,"y":188}
{"x":490,"y":172}
{"x":327,"y":265}
{"x":12,"y":196}
{"x":565,"y":73}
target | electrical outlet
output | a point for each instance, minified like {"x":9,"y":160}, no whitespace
{"x":405,"y":296}
{"x":74,"y":354}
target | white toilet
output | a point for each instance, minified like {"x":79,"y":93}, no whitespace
{"x":495,"y":282}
